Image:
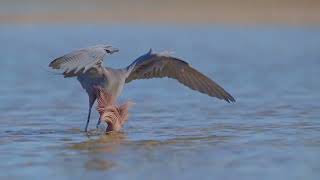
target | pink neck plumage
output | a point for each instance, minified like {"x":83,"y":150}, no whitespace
{"x":115,"y":116}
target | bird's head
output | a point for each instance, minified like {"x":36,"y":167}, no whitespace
{"x":110,"y":50}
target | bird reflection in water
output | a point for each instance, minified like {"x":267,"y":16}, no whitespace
{"x":105,"y":143}
{"x":99,"y":150}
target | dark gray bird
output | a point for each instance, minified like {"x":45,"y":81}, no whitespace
{"x":86,"y":65}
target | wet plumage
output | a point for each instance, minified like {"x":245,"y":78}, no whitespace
{"x":111,"y":113}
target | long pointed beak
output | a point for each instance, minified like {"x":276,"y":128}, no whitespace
{"x":113,"y":50}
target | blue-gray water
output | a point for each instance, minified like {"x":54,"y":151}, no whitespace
{"x":271,"y":132}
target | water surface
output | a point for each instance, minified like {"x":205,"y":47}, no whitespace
{"x":271,"y":132}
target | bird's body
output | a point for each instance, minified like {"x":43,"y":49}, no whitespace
{"x":86,"y":65}
{"x":110,"y":79}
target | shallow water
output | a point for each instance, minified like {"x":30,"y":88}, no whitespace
{"x":271,"y":132}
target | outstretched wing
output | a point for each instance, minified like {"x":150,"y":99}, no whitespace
{"x":79,"y":61}
{"x":155,"y":65}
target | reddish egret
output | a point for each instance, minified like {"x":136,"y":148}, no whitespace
{"x":86,"y":65}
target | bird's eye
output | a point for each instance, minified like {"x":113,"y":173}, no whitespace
{"x":108,"y":51}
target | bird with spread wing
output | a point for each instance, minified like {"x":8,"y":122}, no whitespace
{"x":87,"y":65}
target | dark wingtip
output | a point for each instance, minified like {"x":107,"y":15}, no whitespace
{"x":150,"y":51}
{"x":51,"y":64}
{"x":229,"y":99}
{"x":54,"y":64}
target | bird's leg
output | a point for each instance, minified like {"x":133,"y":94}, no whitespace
{"x":88,"y":120}
{"x":98,"y":123}
{"x":91,"y":102}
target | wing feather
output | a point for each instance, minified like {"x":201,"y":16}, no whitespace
{"x":79,"y":61}
{"x":153,"y":65}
